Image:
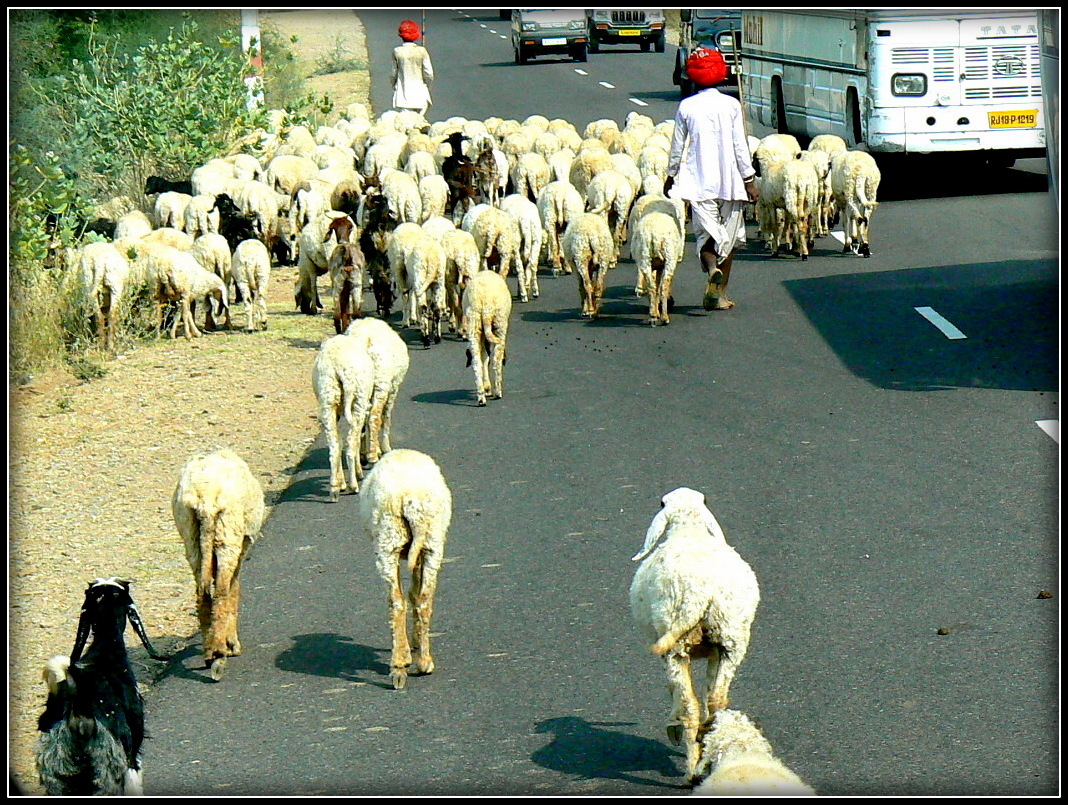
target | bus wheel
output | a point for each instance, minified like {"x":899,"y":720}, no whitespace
{"x":778,"y":107}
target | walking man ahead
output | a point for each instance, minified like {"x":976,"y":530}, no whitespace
{"x":714,"y":171}
{"x":412,"y":71}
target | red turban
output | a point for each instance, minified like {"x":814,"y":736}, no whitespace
{"x":409,"y":31}
{"x":706,"y":67}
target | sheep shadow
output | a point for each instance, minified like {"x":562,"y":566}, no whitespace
{"x":588,"y":751}
{"x":187,"y":663}
{"x":336,"y":657}
{"x":464,"y":397}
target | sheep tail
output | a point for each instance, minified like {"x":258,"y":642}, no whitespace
{"x":415,"y":518}
{"x":668,"y":641}
{"x":207,"y":526}
{"x":488,"y":331}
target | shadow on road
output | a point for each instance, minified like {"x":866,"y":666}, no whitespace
{"x":337,"y":657}
{"x":1007,"y":311}
{"x":590,"y":752}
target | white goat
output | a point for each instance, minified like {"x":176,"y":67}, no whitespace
{"x":218,"y":508}
{"x":405,"y":509}
{"x":693,"y":597}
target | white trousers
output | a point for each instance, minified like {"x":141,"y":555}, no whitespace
{"x":723,"y":221}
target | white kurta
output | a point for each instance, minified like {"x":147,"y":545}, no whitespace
{"x":411,"y":77}
{"x":709,"y":152}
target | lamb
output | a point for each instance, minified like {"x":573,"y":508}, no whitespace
{"x":93,"y":724}
{"x":531,"y":235}
{"x":737,"y":760}
{"x":201,"y":216}
{"x":389,"y":356}
{"x":104,"y":272}
{"x":590,"y":249}
{"x":855,"y":182}
{"x":657,"y":246}
{"x":558,"y":203}
{"x":405,"y":510}
{"x":693,"y":597}
{"x":251,"y":273}
{"x":487,"y":305}
{"x":218,"y":509}
{"x":343,"y":378}
{"x":177,"y":277}
{"x":287,"y":172}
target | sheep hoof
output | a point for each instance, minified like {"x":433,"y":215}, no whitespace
{"x":335,"y":495}
{"x":218,"y":668}
{"x":865,"y":250}
{"x":481,"y":402}
{"x":399,"y":678}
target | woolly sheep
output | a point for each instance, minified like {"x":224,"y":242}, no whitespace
{"x":737,"y":760}
{"x":434,"y":195}
{"x":657,"y":246}
{"x":558,"y":203}
{"x":343,"y":378}
{"x":821,"y":163}
{"x":800,"y":202}
{"x":498,"y":238}
{"x":589,"y":249}
{"x":319,"y":251}
{"x":104,"y":272}
{"x":212,"y":178}
{"x":487,"y":304}
{"x":611,"y":194}
{"x":693,"y":597}
{"x":426,"y":283}
{"x":134,"y":224}
{"x":201,"y":216}
{"x":170,"y":207}
{"x":531,"y":235}
{"x":286,"y":172}
{"x":259,"y":200}
{"x":169,"y":236}
{"x":218,"y":507}
{"x":462,"y":261}
{"x":399,"y":247}
{"x":828,"y":143}
{"x":251,"y":273}
{"x":402,"y":197}
{"x":405,"y":510}
{"x":176,"y":276}
{"x":530,"y":174}
{"x":586,"y":165}
{"x":855,"y":180}
{"x":389,"y":357}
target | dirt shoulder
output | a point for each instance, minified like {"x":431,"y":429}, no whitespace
{"x":92,"y":465}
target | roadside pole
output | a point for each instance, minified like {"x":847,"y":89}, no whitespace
{"x":252,"y":47}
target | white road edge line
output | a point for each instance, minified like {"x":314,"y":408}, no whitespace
{"x":606,"y":84}
{"x":1051,"y":427}
{"x":640,"y":103}
{"x":942,"y":323}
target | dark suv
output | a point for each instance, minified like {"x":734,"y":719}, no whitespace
{"x":548,"y":31}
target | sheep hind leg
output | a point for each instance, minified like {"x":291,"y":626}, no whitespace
{"x":686,"y":713}
{"x":421,"y":598}
{"x":721,"y":670}
{"x":401,"y":654}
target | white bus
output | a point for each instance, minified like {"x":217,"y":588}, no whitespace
{"x":903,"y":80}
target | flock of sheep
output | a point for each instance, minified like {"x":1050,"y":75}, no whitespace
{"x":368,"y":203}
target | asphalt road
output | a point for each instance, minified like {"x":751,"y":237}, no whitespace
{"x":884,"y":481}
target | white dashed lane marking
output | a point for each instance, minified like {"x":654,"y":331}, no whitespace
{"x":635,"y":100}
{"x":941,"y":322}
{"x":606,"y":84}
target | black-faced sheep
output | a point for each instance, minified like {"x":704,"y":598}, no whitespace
{"x":693,"y":597}
{"x":405,"y":509}
{"x":93,"y":724}
{"x":218,"y":508}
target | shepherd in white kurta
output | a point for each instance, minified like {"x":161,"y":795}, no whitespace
{"x":711,"y":168}
{"x":412,"y":75}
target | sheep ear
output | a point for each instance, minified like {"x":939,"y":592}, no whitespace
{"x":653,"y":535}
{"x":712,"y":524}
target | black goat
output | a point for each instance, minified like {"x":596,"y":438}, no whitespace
{"x":157,"y":184}
{"x":94,"y":720}
{"x":234,"y":225}
{"x":459,"y":172}
{"x":374,"y":234}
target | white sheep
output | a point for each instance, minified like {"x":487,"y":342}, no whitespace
{"x":170,"y":207}
{"x":104,"y":273}
{"x":588,"y":162}
{"x":287,"y":172}
{"x":498,"y":237}
{"x":589,"y":249}
{"x":693,"y":597}
{"x":800,"y":194}
{"x":531,"y":235}
{"x":821,"y":163}
{"x":399,"y":247}
{"x":134,"y":224}
{"x":259,"y":200}
{"x":176,"y":276}
{"x":389,"y":357}
{"x":462,"y":261}
{"x":201,"y":216}
{"x":218,"y":508}
{"x":558,"y":203}
{"x":169,"y":236}
{"x":434,"y":195}
{"x":530,"y":174}
{"x":611,"y":194}
{"x":402,"y":197}
{"x":426,"y":283}
{"x":737,"y":760}
{"x":487,"y":304}
{"x":855,"y":183}
{"x":343,"y":378}
{"x":828,"y":143}
{"x":657,"y":247}
{"x":405,"y":509}
{"x":212,"y":178}
{"x":251,"y":273}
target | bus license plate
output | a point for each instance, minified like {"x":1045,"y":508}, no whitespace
{"x":630,"y":33}
{"x":1023,"y":119}
{"x":555,"y":41}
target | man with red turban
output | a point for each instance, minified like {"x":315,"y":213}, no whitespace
{"x":714,"y":171}
{"x":412,"y":71}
